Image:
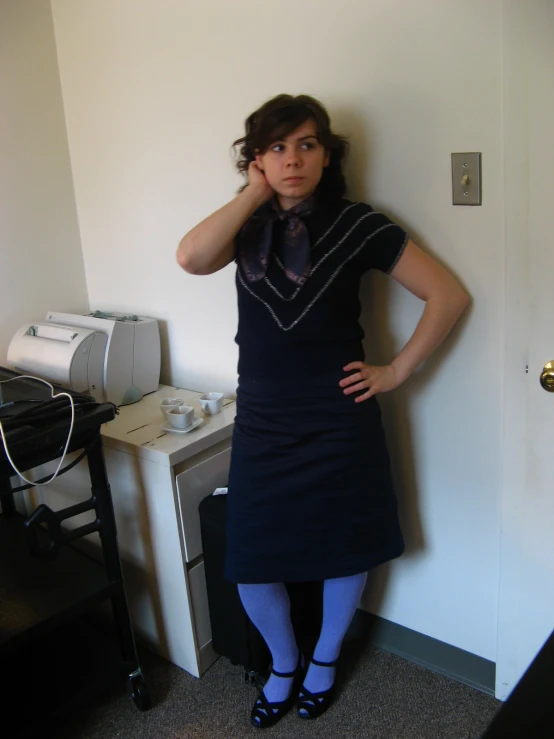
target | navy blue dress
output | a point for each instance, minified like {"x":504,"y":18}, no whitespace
{"x":310,"y":490}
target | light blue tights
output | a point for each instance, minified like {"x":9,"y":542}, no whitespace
{"x":268,"y":607}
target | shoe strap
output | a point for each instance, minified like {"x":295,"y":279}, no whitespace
{"x":305,"y":695}
{"x":324,"y":664}
{"x":284,"y":674}
{"x":294,"y":673}
{"x":266,"y":705}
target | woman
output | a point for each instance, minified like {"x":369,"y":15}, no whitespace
{"x":310,"y":491}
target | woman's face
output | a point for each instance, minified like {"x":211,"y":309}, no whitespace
{"x":293,"y":166}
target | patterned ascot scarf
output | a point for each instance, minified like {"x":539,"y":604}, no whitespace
{"x":258,"y":231}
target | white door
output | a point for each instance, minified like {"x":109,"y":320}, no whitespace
{"x":526,"y":597}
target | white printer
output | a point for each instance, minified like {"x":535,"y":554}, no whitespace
{"x":112,"y":356}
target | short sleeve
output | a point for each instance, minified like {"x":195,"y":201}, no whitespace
{"x":382,"y":243}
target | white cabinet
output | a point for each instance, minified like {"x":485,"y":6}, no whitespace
{"x":192,"y":486}
{"x":200,"y":610}
{"x":158,"y":480}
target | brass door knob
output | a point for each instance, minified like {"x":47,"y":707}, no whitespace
{"x":547,"y":377}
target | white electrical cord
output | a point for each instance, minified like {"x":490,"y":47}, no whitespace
{"x":54,"y":395}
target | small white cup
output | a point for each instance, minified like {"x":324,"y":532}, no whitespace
{"x":168,"y":403}
{"x":181,"y":416}
{"x":211,"y":403}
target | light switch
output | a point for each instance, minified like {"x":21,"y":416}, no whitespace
{"x":466,"y":178}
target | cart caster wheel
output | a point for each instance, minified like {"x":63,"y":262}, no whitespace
{"x":139,"y":693}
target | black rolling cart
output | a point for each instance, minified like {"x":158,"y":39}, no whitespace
{"x":44,"y":580}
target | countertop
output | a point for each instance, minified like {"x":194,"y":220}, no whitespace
{"x":137,"y":429}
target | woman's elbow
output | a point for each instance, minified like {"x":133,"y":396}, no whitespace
{"x":184,"y":259}
{"x":450,"y":296}
{"x":464,"y":299}
{"x":459,"y":300}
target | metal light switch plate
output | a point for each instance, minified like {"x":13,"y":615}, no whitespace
{"x":466,"y":178}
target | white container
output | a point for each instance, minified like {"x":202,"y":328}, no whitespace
{"x":181,"y":416}
{"x":211,"y":403}
{"x":168,"y":403}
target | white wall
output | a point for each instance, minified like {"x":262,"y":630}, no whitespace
{"x":41,"y":263}
{"x":154,"y":93}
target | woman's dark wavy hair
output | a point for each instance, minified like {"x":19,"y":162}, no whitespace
{"x":276,"y":119}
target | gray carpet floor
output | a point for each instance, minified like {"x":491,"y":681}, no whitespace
{"x":381,"y":697}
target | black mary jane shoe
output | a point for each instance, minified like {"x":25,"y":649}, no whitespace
{"x":265,"y":714}
{"x":314,"y":704}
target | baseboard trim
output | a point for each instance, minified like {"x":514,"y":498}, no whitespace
{"x":435,"y":655}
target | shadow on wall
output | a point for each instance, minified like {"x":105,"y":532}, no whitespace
{"x":165,"y":352}
{"x":376,"y":295}
{"x":398,"y":418}
{"x":357,"y":166}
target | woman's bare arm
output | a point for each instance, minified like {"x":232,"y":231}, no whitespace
{"x":445,"y":301}
{"x":210,"y":245}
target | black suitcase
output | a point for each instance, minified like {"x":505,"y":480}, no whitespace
{"x":233,"y":634}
